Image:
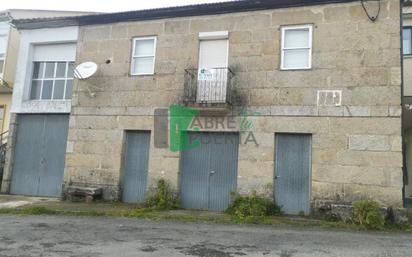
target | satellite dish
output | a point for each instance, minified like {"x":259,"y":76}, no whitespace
{"x":85,"y":70}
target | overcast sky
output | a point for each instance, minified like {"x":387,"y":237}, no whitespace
{"x":95,"y":5}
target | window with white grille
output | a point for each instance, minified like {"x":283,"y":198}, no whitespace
{"x":52,"y":80}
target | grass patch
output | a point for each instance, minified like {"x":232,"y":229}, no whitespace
{"x":133,"y":211}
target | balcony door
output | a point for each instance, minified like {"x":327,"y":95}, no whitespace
{"x":213,"y":71}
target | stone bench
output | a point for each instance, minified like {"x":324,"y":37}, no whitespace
{"x":88,"y":194}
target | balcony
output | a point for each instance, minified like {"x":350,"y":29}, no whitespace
{"x":208,"y":88}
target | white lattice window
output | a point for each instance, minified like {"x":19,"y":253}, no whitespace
{"x":52,"y":80}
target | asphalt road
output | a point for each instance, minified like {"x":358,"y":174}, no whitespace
{"x":98,"y":236}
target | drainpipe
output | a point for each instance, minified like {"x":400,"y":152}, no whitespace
{"x":405,"y":171}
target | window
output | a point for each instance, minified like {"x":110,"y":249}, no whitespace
{"x":407,"y":41}
{"x":3,"y":49}
{"x":52,"y":80}
{"x":296,"y":47}
{"x":143,"y":56}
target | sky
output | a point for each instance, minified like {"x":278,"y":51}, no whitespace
{"x":96,"y":5}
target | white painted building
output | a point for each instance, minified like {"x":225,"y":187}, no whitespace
{"x":40,"y":111}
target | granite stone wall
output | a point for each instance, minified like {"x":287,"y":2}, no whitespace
{"x":356,"y":146}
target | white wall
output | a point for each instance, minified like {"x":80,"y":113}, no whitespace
{"x":29,"y":38}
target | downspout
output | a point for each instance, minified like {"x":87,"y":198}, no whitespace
{"x":404,"y":169}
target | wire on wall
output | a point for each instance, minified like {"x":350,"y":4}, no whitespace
{"x":373,"y":18}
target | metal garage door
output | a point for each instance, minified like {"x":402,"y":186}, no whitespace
{"x":293,"y":172}
{"x":39,"y":155}
{"x":134,"y":179}
{"x":209,"y":172}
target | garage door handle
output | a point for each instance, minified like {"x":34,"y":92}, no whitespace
{"x":277,"y":177}
{"x":212,"y":172}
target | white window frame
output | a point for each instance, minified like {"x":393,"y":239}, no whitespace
{"x":409,"y":28}
{"x":2,"y":68}
{"x":3,"y":58}
{"x":298,"y":27}
{"x":143,"y":56}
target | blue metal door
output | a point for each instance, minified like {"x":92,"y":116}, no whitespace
{"x":209,"y":172}
{"x":39,"y":155}
{"x":134,"y":179}
{"x":293,"y":172}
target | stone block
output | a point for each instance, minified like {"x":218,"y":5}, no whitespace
{"x":396,"y":79}
{"x":265,"y":97}
{"x":239,"y":37}
{"x":336,"y":13}
{"x":372,"y":159}
{"x":119,"y":31}
{"x":369,"y":143}
{"x":360,"y":175}
{"x":245,"y":49}
{"x":327,"y":141}
{"x":375,"y":96}
{"x":95,"y":33}
{"x":256,"y":153}
{"x":395,"y":111}
{"x":386,"y":196}
{"x":83,"y":160}
{"x":249,"y":169}
{"x":372,"y":126}
{"x":379,"y":111}
{"x":324,"y":156}
{"x":296,"y":16}
{"x":328,"y":191}
{"x":222,"y":23}
{"x":292,"y":125}
{"x":252,"y":21}
{"x":96,"y":122}
{"x":396,"y":143}
{"x":145,"y":28}
{"x":330,"y":111}
{"x":177,"y":26}
{"x":297,"y":96}
{"x":294,"y":110}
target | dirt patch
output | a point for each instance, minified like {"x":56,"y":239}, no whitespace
{"x":210,"y":250}
{"x":148,"y":249}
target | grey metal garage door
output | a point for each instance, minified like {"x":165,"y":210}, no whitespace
{"x":134,"y":178}
{"x":209,"y":172}
{"x":39,"y":155}
{"x":293,"y":172}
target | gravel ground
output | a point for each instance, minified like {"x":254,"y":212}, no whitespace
{"x":99,"y":236}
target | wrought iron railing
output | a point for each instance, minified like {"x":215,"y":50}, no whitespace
{"x":208,"y":86}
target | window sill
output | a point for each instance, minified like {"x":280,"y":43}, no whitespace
{"x":48,"y":101}
{"x":142,"y":75}
{"x":296,"y":69}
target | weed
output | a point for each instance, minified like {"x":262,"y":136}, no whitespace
{"x":162,"y":198}
{"x":252,"y":208}
{"x":367,"y":214}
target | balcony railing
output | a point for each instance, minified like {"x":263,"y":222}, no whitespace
{"x":208,"y":86}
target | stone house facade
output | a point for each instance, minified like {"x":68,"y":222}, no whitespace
{"x":339,"y":108}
